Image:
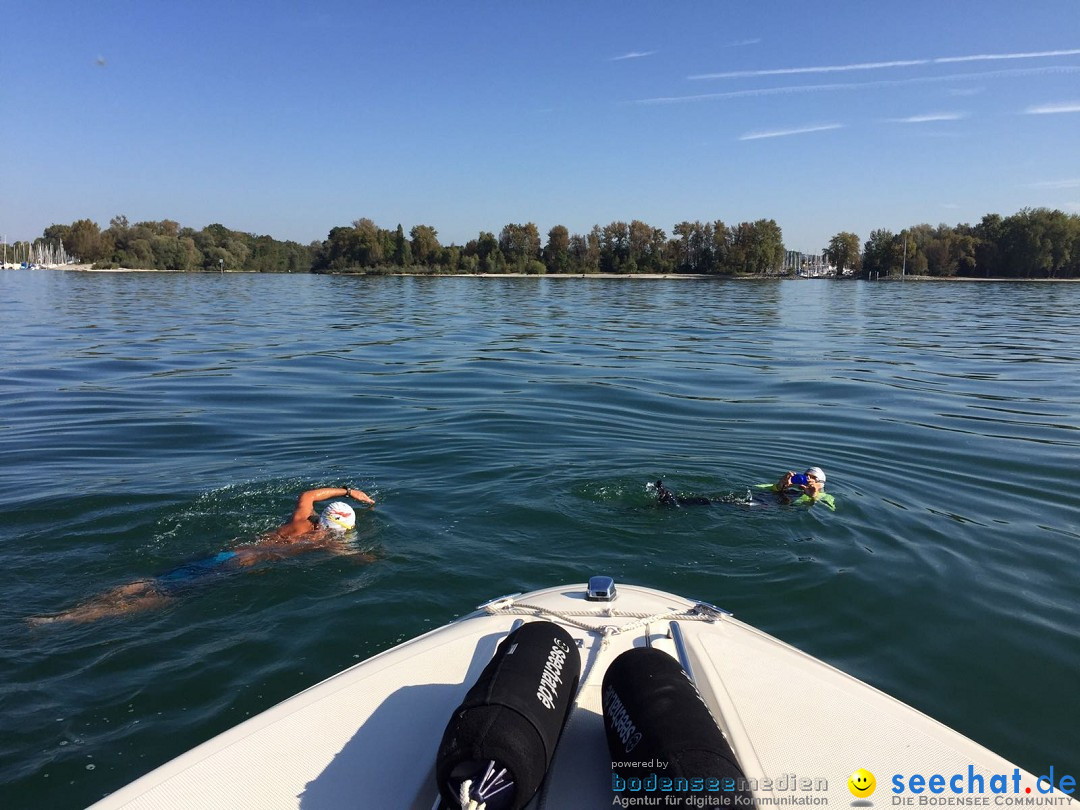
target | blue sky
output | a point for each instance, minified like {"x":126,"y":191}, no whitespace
{"x":290,"y":118}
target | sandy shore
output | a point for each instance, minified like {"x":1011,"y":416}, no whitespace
{"x":89,"y":268}
{"x":81,"y":268}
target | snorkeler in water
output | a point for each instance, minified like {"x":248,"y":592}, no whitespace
{"x":304,"y":531}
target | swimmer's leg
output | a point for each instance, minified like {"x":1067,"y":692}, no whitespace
{"x":131,"y":598}
{"x":666,"y":496}
{"x":694,"y":500}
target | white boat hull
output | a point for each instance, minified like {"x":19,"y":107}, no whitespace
{"x":368,"y":736}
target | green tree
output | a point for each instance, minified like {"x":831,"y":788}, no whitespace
{"x":843,"y":252}
{"x":615,"y":248}
{"x":594,"y":240}
{"x":646,"y":247}
{"x":426,"y":250}
{"x":721,"y":247}
{"x":57,"y":233}
{"x":368,"y":245}
{"x":402,"y":249}
{"x":692,"y":251}
{"x":584,"y":253}
{"x":989,"y":233}
{"x":557,"y":250}
{"x":450,"y":259}
{"x":489,"y":257}
{"x":757,"y":247}
{"x":85,"y":241}
{"x":882,"y":254}
{"x":520,"y":244}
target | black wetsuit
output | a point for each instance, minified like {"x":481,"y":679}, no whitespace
{"x":669,"y":498}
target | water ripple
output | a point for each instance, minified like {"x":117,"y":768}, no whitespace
{"x":509,"y":429}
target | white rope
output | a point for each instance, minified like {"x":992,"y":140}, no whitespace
{"x":699,"y":613}
{"x":465,"y":801}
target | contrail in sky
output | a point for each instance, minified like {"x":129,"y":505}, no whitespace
{"x":985,"y":57}
{"x":739,"y":74}
{"x":1057,"y":184}
{"x":1050,"y":109}
{"x":813,"y":88}
{"x":780,"y":133}
{"x":928,"y":118}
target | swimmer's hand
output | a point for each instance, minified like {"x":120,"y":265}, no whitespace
{"x":784,"y":482}
{"x":362,"y":497}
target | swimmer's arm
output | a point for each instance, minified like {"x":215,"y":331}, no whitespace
{"x":784,"y":482}
{"x":305,"y":504}
{"x":340,"y":547}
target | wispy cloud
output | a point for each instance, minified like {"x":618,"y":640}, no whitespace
{"x":928,"y":118}
{"x":988,"y":57}
{"x":985,"y":57}
{"x":815,"y":88}
{"x":742,"y":74}
{"x":966,"y":91}
{"x":783,"y":133}
{"x":631,"y":55}
{"x":744,"y":42}
{"x":1053,"y":109}
{"x":920,"y":132}
{"x":1071,"y":183}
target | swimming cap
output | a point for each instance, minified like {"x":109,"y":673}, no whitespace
{"x":818,"y":473}
{"x":338,"y":517}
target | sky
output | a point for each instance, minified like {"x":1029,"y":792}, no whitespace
{"x":291,"y":118}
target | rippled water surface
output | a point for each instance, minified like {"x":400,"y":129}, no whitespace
{"x":507,"y":429}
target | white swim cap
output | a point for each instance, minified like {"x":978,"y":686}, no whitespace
{"x":818,"y":473}
{"x":338,"y":517}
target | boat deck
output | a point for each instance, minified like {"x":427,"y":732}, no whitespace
{"x":367,"y":737}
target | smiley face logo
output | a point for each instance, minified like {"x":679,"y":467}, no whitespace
{"x":862,"y":784}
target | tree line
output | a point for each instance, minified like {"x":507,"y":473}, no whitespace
{"x":1033,"y":243}
{"x":167,"y":246}
{"x":620,"y":248}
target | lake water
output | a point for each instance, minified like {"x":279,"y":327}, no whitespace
{"x":507,"y":429}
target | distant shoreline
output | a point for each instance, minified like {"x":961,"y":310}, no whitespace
{"x":86,"y":268}
{"x":972,"y":278}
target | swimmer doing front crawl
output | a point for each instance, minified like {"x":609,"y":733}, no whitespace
{"x":304,"y":531}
